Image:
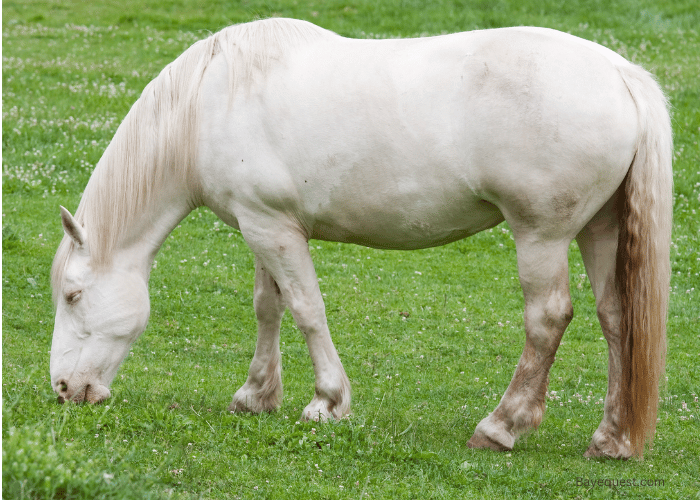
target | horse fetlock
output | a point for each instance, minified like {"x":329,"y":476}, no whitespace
{"x":528,"y":418}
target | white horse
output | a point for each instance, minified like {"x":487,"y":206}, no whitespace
{"x":290,"y":132}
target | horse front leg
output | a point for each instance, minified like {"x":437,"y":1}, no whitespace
{"x":284,"y":254}
{"x":263,"y":388}
{"x":544,"y":277}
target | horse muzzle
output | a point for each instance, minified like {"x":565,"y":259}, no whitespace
{"x":78,"y":393}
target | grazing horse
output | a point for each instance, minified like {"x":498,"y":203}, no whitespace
{"x":289,"y":132}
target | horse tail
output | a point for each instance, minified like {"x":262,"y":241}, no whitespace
{"x":643,"y":258}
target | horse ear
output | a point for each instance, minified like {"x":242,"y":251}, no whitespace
{"x":72,"y":228}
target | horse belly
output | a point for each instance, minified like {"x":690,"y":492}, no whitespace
{"x":403,"y":229}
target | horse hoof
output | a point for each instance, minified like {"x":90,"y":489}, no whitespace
{"x":491,"y":433}
{"x":607,"y":444}
{"x":246,"y":406}
{"x":251,"y":400}
{"x":479,"y":440}
{"x":316,"y":414}
{"x":620,"y":453}
{"x":238,"y":407}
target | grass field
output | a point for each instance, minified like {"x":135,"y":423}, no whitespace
{"x":421,"y":382}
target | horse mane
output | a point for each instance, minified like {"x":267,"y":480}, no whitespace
{"x":158,"y":138}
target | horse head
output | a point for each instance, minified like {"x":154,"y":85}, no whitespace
{"x":100,"y":312}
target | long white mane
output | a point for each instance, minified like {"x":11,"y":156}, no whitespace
{"x":158,"y":137}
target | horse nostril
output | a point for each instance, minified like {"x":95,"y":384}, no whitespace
{"x":62,"y":390}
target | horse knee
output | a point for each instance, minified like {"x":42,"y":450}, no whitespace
{"x":309,"y":317}
{"x":559,"y":311}
{"x":545,"y":323}
{"x":567,"y":314}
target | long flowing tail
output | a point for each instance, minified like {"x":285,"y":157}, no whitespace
{"x":643,"y":259}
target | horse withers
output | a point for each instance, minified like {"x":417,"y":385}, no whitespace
{"x":290,"y":132}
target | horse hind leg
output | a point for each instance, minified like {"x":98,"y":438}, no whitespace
{"x":262,"y":390}
{"x":544,"y":277}
{"x":598,"y":245}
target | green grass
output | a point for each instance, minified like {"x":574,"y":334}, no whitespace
{"x":421,"y":381}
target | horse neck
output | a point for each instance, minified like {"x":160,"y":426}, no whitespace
{"x":143,"y":186}
{"x":147,"y":234}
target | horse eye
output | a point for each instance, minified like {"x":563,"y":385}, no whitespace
{"x":73,"y":297}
